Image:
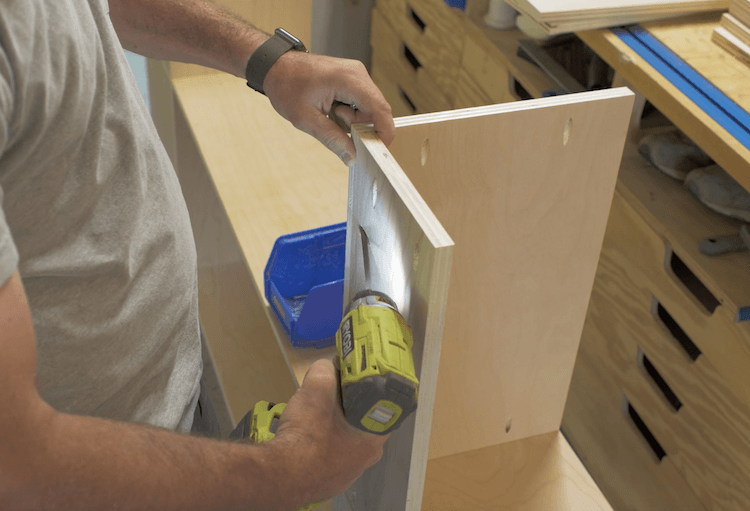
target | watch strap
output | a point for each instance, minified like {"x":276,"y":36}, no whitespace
{"x":266,"y":55}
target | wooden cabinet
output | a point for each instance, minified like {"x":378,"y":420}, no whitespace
{"x":428,"y":57}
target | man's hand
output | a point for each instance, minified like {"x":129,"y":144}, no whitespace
{"x":302,"y":88}
{"x":328,"y":453}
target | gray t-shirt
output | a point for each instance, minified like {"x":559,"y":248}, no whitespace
{"x":93,"y":218}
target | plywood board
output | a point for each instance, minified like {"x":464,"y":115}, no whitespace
{"x":557,"y":16}
{"x":711,"y":427}
{"x":736,"y":27}
{"x":538,"y":473}
{"x":690,"y":40}
{"x":524,"y":189}
{"x":732,"y":44}
{"x":409,"y":258}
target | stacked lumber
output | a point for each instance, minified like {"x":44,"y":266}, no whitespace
{"x":734,"y":33}
{"x":559,"y":16}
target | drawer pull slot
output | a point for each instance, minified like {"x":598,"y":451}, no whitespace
{"x":665,"y":389}
{"x":678,"y":333}
{"x":416,"y":19}
{"x":691,"y":282}
{"x":406,"y":98}
{"x":647,"y":435}
{"x":413,"y":61}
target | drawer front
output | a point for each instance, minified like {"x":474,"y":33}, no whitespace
{"x":415,"y":82}
{"x":401,"y":103}
{"x":469,"y":93}
{"x":690,"y":411}
{"x":486,"y":70}
{"x":431,"y":32}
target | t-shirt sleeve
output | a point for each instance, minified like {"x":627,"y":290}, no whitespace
{"x":8,"y":251}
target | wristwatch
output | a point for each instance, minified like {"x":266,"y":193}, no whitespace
{"x":267,"y":53}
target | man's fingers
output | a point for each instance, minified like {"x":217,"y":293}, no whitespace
{"x":332,"y":136}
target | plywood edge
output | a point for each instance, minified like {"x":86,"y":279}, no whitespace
{"x":435,"y":232}
{"x":518,"y":106}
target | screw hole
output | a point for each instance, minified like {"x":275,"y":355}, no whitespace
{"x":425,"y":151}
{"x":566,"y":133}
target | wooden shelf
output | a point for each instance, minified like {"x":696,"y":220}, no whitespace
{"x":690,"y":39}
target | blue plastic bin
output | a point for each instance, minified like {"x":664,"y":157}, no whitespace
{"x":304,"y":283}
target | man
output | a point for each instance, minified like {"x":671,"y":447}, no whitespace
{"x":99,"y":334}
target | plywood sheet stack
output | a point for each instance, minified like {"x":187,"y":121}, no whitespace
{"x":734,"y":33}
{"x":559,"y":16}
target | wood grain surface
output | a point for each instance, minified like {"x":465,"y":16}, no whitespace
{"x":528,"y":219}
{"x":738,"y":48}
{"x":409,"y":258}
{"x":735,"y":27}
{"x":564,"y":16}
{"x":425,"y":90}
{"x":707,"y":436}
{"x":690,"y":39}
{"x":532,"y":474}
{"x":680,"y":222}
{"x":433,"y":33}
{"x":249,"y":365}
{"x":270,"y":178}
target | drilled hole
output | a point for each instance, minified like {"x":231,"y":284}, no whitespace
{"x":692,"y":283}
{"x":425,"y":153}
{"x":677,"y":333}
{"x":413,"y":61}
{"x":643,"y":429}
{"x":417,"y":20}
{"x":662,"y":385}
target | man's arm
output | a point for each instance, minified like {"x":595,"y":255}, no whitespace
{"x":51,"y":460}
{"x":301,"y":87}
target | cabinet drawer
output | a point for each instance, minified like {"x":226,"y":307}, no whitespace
{"x":394,"y":60}
{"x":469,"y":93}
{"x":690,"y":410}
{"x":401,"y":103}
{"x":431,"y":32}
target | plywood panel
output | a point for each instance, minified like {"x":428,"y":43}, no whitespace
{"x":712,"y":426}
{"x":528,"y":221}
{"x":249,"y":365}
{"x":536,"y":473}
{"x":425,"y":91}
{"x":558,"y":16}
{"x":679,"y":221}
{"x":270,"y":179}
{"x":689,"y":39}
{"x":409,"y":258}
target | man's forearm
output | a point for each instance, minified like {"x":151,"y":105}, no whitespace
{"x":86,"y":463}
{"x":193,"y":31}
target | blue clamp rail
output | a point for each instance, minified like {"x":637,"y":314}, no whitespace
{"x":304,"y":284}
{"x":703,"y":93}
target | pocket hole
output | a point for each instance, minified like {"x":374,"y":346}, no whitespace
{"x":425,"y":153}
{"x":413,"y":60}
{"x":677,"y":333}
{"x":662,"y":385}
{"x":630,"y":412}
{"x":417,"y":20}
{"x":691,"y":282}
